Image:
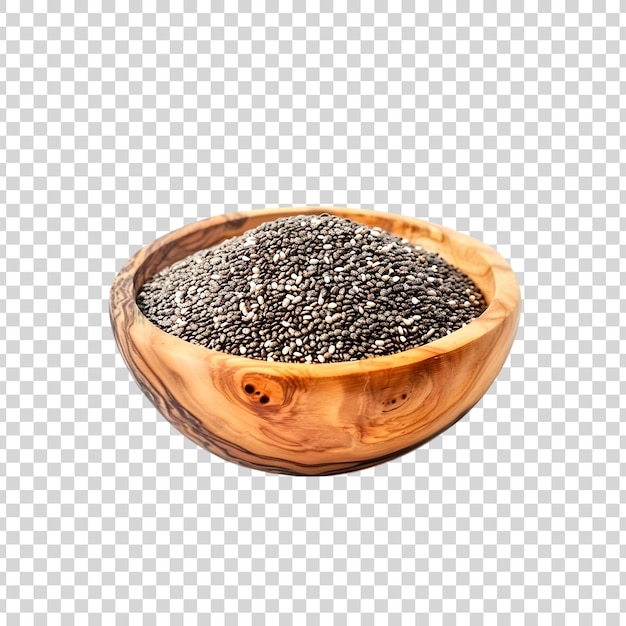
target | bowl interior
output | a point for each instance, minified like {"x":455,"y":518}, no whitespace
{"x":489,"y":271}
{"x":460,"y":250}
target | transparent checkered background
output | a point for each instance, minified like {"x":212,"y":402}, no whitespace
{"x":120,"y":122}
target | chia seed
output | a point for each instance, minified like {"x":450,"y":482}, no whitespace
{"x":311,"y":289}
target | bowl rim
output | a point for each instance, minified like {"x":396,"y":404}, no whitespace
{"x":505,"y":301}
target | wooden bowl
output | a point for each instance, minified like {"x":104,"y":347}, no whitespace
{"x":318,"y":418}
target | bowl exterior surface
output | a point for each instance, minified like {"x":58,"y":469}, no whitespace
{"x":316,"y":419}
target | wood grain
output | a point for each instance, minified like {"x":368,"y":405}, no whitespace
{"x":318,"y":418}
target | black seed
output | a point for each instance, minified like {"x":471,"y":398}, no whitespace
{"x":239,"y":296}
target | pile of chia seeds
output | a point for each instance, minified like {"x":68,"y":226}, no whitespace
{"x":311,"y":289}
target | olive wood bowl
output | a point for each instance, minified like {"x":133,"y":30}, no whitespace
{"x":317,"y":418}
